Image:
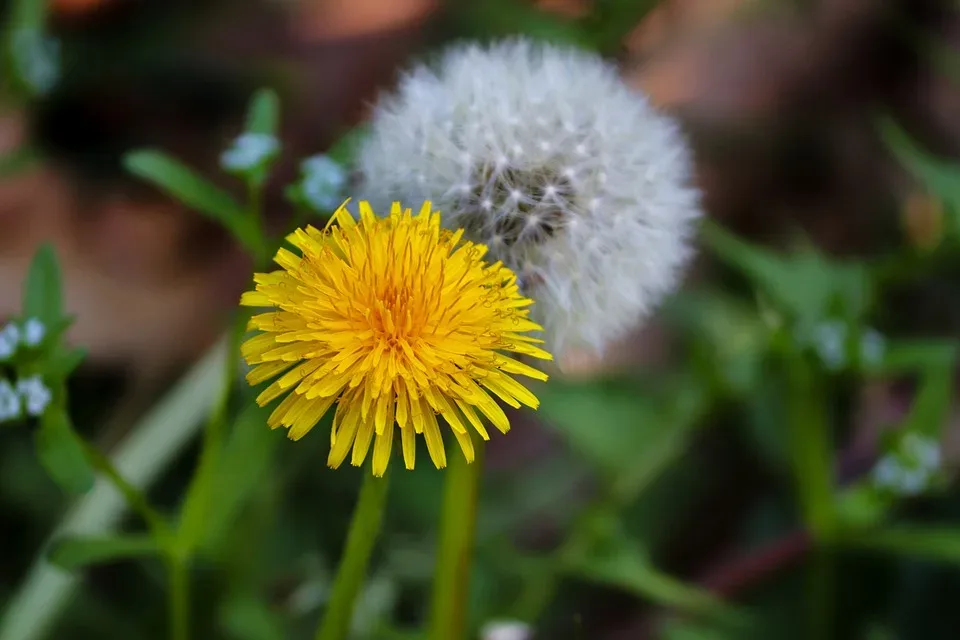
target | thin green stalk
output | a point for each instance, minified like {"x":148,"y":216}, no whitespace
{"x":821,"y":594}
{"x":199,"y":492}
{"x":364,"y":529}
{"x":458,"y":524}
{"x":135,"y":498}
{"x":811,"y":448}
{"x":179,"y":599}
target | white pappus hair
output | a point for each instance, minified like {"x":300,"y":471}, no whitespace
{"x":543,"y":154}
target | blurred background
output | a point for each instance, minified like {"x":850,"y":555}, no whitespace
{"x":652,"y":484}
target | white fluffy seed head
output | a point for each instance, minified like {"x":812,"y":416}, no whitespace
{"x":574,"y":180}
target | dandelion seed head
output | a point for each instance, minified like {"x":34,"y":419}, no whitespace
{"x":555,"y":164}
{"x":396,"y":321}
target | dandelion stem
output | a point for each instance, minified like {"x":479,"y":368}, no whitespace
{"x":179,"y":599}
{"x":364,"y":529}
{"x":448,"y":615}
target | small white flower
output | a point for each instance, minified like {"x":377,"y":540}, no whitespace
{"x":37,"y":59}
{"x":910,"y":468}
{"x":872,"y":347}
{"x":36,"y":395}
{"x":572,"y":179}
{"x":249,"y":151}
{"x":506,"y":630}
{"x":323,"y":182}
{"x":10,"y":406}
{"x":9,"y":340}
{"x":33,"y":332}
{"x":921,"y":451}
{"x":830,"y":342}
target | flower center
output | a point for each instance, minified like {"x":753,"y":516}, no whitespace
{"x":513,"y":208}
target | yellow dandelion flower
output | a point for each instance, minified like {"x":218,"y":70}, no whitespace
{"x":397,"y":321}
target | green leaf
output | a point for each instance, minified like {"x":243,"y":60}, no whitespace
{"x":729,"y":337}
{"x":61,"y":452}
{"x":63,"y":361}
{"x":246,"y":457}
{"x":805,"y":284}
{"x":931,"y":403}
{"x":631,"y":437}
{"x":264,"y":113}
{"x":247,"y":617}
{"x":614,"y":559}
{"x":910,"y":356}
{"x":181,"y":182}
{"x":938,"y":176}
{"x":42,"y":293}
{"x":861,"y":506}
{"x":77,"y":552}
{"x":28,"y":14}
{"x":937,"y":543}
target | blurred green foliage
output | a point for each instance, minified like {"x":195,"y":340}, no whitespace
{"x":770,"y":356}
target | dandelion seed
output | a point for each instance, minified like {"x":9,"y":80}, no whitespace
{"x":33,"y":332}
{"x":566,"y":157}
{"x":10,"y":406}
{"x":36,"y":395}
{"x":249,"y":151}
{"x":397,"y":322}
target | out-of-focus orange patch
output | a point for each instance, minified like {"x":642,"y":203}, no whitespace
{"x":323,"y":19}
{"x":922,"y":221}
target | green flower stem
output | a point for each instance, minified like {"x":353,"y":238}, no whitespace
{"x":196,"y":504}
{"x":458,"y":520}
{"x":811,"y":448}
{"x":134,"y":497}
{"x":140,"y":458}
{"x":179,"y":598}
{"x":364,"y":529}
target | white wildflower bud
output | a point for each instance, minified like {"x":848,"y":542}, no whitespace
{"x":910,"y":468}
{"x":10,"y":406}
{"x":323,"y":182}
{"x":33,"y":332}
{"x":506,"y":630}
{"x":9,"y":340}
{"x":36,"y":395}
{"x":37,"y":59}
{"x":249,"y":151}
{"x":567,"y":175}
{"x":830,"y":342}
{"x":872,"y":347}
